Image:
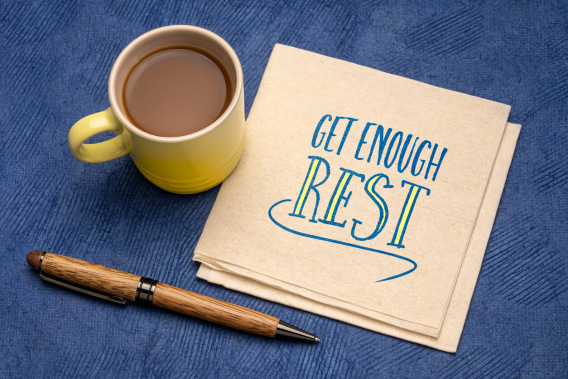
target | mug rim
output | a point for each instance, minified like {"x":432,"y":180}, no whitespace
{"x":115,"y":103}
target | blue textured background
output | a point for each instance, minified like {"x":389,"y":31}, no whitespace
{"x":55,"y":60}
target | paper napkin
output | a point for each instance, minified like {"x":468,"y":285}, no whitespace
{"x":361,"y":196}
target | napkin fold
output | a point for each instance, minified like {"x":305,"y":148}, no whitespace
{"x":361,"y":196}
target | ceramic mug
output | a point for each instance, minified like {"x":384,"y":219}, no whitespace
{"x":187,"y":164}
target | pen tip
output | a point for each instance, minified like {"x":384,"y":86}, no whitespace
{"x":286,"y":330}
{"x":33,"y":258}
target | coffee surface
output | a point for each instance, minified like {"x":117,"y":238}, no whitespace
{"x":176,"y":92}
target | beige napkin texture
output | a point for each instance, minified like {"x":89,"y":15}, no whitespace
{"x":361,"y":196}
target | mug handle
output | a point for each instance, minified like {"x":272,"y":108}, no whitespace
{"x":90,"y":126}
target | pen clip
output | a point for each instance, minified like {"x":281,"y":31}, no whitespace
{"x":78,"y":288}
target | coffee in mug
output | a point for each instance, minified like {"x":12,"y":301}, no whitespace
{"x":176,"y":91}
{"x":177,"y":107}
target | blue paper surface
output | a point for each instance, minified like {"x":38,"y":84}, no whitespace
{"x":55,"y":61}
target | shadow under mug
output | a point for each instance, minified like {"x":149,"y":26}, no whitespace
{"x":187,"y":164}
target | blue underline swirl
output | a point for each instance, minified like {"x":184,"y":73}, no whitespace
{"x":343,"y":243}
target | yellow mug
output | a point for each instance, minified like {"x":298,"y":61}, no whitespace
{"x":186,"y":164}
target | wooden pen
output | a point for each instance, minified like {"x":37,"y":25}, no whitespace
{"x":120,"y":287}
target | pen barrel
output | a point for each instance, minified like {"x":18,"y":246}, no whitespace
{"x":143,"y":290}
{"x":214,"y":310}
{"x":90,"y":275}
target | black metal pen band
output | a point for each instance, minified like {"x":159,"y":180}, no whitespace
{"x":41,"y":261}
{"x":145,"y":291}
